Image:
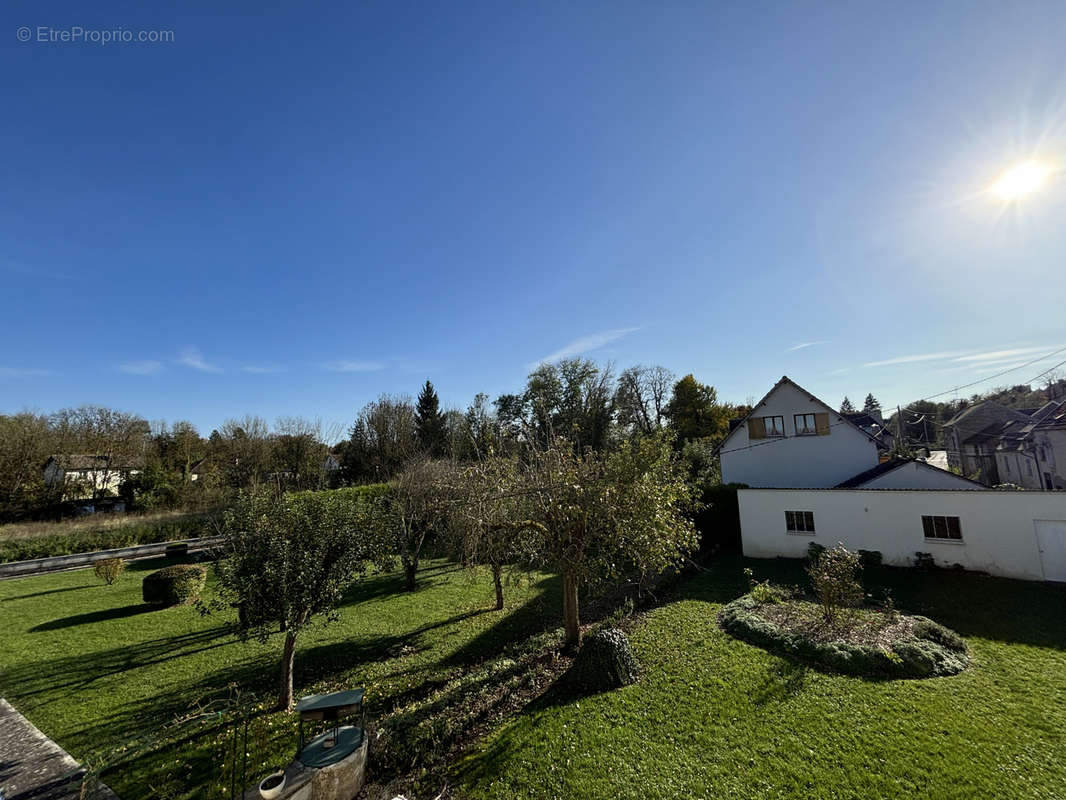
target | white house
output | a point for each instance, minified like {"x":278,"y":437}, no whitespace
{"x":90,"y":473}
{"x":793,"y":439}
{"x":1010,"y":534}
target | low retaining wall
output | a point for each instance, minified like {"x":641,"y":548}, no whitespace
{"x":35,"y":566}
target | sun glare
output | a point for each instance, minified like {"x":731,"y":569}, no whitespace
{"x":1021,"y":180}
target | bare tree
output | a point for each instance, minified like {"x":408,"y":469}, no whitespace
{"x":383,"y":439}
{"x":417,"y":507}
{"x":641,"y":398}
{"x":485,"y":516}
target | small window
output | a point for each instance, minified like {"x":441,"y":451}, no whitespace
{"x":805,"y":424}
{"x":936,"y":527}
{"x":775,"y":426}
{"x":799,"y":521}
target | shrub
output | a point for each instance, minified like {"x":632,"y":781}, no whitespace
{"x":764,"y":594}
{"x":814,"y":550}
{"x":924,"y":561}
{"x":605,"y":661}
{"x":173,"y":585}
{"x":917,"y":655}
{"x":832,"y":576}
{"x":870,"y":558}
{"x":934,"y":632}
{"x":109,"y":569}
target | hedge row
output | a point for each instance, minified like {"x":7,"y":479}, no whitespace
{"x":90,"y":541}
{"x":931,"y":651}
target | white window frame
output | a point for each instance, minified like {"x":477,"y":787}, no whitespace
{"x":946,"y":527}
{"x":772,"y":428}
{"x":799,"y":523}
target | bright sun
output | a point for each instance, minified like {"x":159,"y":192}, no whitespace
{"x":1022,"y":179}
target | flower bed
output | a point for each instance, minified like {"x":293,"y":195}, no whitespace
{"x":861,"y":641}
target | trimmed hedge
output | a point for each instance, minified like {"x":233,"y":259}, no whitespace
{"x":65,"y":544}
{"x":931,"y":651}
{"x":605,"y":661}
{"x":172,"y":586}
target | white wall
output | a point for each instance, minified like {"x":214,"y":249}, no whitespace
{"x":998,"y":532}
{"x":913,"y":475}
{"x":796,"y":461}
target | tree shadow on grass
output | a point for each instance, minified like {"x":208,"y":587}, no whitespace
{"x":390,"y":584}
{"x":783,"y":680}
{"x":47,"y":592}
{"x":74,"y":674}
{"x":96,"y":616}
{"x":541,"y":613}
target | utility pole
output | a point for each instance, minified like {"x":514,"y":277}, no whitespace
{"x":900,"y":442}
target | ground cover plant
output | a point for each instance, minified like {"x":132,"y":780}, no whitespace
{"x":712,"y":716}
{"x":833,"y":627}
{"x":135,"y":690}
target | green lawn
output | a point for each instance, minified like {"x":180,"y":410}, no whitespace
{"x":715,"y":717}
{"x":94,"y":668}
{"x":710,"y":717}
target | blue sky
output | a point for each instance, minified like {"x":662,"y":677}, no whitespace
{"x":291,"y":209}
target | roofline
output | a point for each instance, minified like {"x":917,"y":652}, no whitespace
{"x":786,"y":379}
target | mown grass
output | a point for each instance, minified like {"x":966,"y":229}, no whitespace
{"x":716,"y":717}
{"x":105,"y":676}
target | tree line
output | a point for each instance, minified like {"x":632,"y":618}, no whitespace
{"x":172,"y":465}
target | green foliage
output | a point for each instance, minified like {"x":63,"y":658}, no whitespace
{"x":718,"y":518}
{"x":601,"y":517}
{"x":429,"y":422}
{"x":924,"y":561}
{"x":846,"y":406}
{"x":605,"y":661}
{"x":109,"y":570}
{"x":288,"y":559}
{"x":870,"y":558}
{"x":764,"y":593}
{"x":172,"y":586}
{"x":832,"y":576}
{"x":107,"y":537}
{"x":814,"y":551}
{"x":695,"y":413}
{"x":921,"y":654}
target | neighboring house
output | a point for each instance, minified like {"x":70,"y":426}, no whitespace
{"x":95,"y":473}
{"x":332,"y":463}
{"x":818,"y":477}
{"x":792,"y":439}
{"x":972,"y":436}
{"x":874,"y":424}
{"x":1029,"y":453}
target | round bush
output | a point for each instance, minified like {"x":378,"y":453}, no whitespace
{"x":605,"y":661}
{"x":174,"y":585}
{"x":928,"y":650}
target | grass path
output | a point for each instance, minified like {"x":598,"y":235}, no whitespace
{"x":715,"y":717}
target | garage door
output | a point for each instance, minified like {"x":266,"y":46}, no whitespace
{"x":1051,"y":537}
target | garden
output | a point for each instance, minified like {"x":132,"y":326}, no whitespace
{"x":475,"y":699}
